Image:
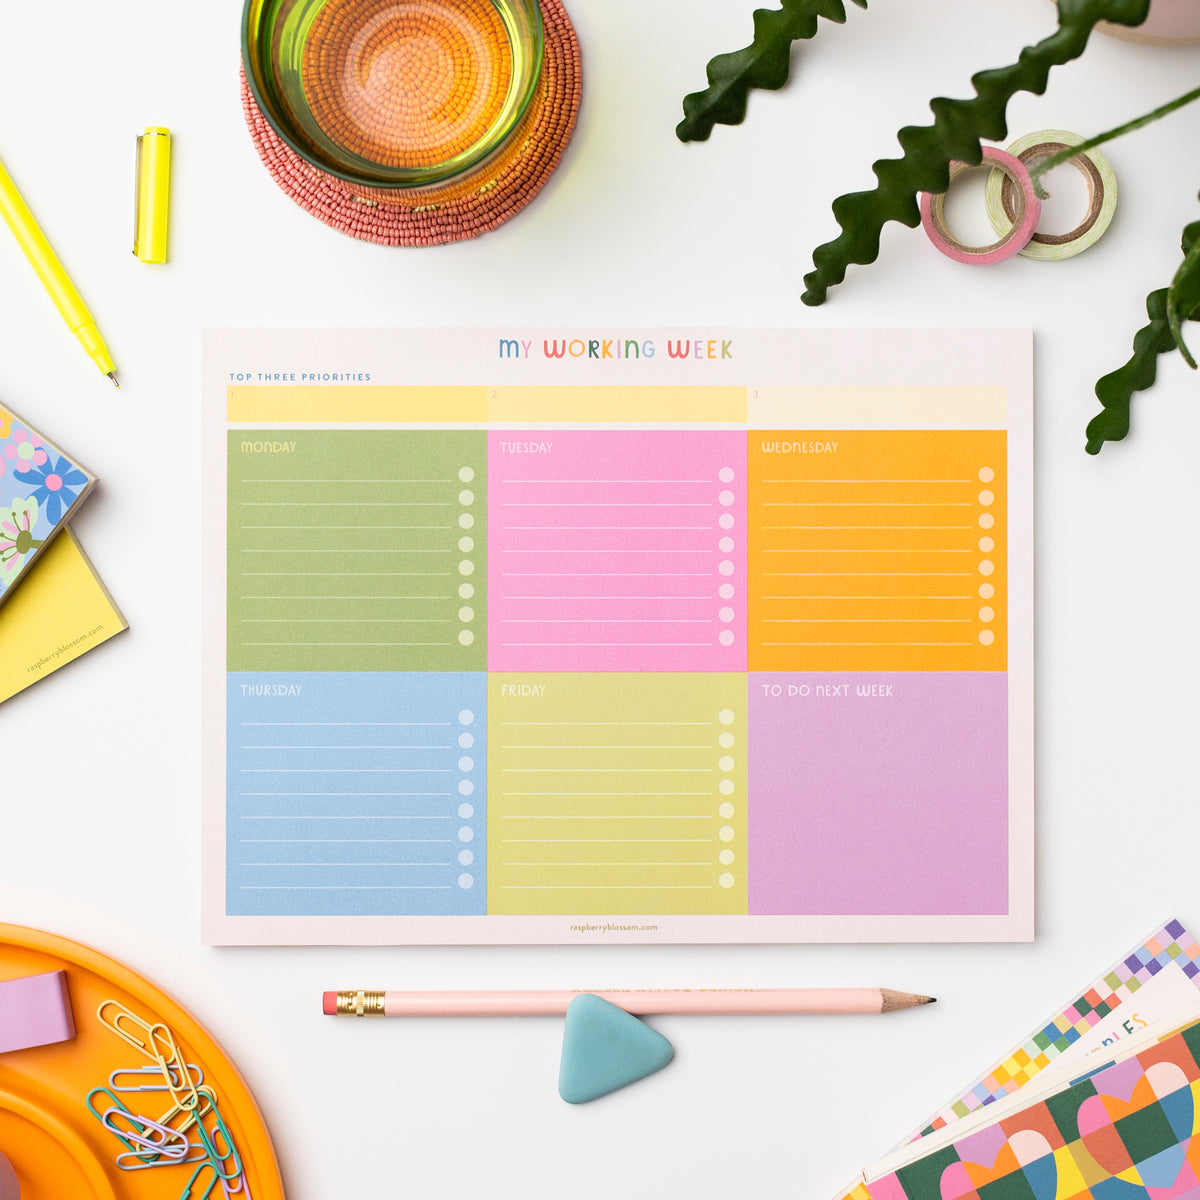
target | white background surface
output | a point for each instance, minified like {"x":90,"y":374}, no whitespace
{"x":99,"y":804}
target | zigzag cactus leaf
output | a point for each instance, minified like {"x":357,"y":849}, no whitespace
{"x":765,"y":63}
{"x":1115,"y":390}
{"x":956,"y":135}
{"x":1183,"y":296}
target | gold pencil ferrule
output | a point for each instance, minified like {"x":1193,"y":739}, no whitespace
{"x":360,"y":1004}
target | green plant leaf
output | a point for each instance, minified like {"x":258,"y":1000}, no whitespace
{"x":765,"y":63}
{"x":1183,"y":296}
{"x":1046,"y":165}
{"x":1115,"y":391}
{"x":956,"y":135}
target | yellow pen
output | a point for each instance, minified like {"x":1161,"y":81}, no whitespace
{"x":50,"y":271}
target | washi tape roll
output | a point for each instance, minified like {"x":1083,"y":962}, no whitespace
{"x":1027,"y":213}
{"x":1168,"y":23}
{"x":1002,"y":200}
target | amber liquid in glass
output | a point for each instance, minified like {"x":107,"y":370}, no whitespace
{"x":407,"y":83}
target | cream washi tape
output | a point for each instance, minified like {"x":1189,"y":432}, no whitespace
{"x":1001,"y":198}
{"x":1015,"y":234}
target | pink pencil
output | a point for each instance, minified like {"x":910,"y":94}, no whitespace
{"x":726,"y":1001}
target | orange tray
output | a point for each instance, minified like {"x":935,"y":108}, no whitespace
{"x":59,"y":1150}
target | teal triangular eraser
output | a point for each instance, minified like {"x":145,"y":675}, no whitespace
{"x":605,"y":1048}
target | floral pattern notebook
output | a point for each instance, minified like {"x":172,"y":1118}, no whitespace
{"x":40,"y":488}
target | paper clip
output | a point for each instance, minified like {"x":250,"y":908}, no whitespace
{"x":115,"y":1105}
{"x":129,"y":1027}
{"x":134,"y":1160}
{"x":207,"y":1101}
{"x":116,"y":1080}
{"x":191,"y":1192}
{"x":146,"y":1134}
{"x":175,"y":1072}
{"x":186,"y":1097}
{"x":218,"y":1156}
{"x":221,"y":1147}
{"x":136,"y":1157}
{"x":242,"y":1190}
{"x":161,"y":1037}
{"x":164,"y":1142}
{"x":157,"y":1043}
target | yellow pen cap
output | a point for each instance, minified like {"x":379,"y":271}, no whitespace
{"x":153,"y":194}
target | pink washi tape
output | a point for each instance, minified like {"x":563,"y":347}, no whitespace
{"x":1025,"y":220}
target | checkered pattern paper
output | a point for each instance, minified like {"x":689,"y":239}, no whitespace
{"x":1171,"y":948}
{"x":1122,"y":1133}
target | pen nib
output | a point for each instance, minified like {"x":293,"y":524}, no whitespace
{"x":116,"y":382}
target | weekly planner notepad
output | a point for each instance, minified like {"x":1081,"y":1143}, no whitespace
{"x":658,"y":635}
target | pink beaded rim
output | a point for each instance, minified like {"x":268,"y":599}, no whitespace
{"x":495,"y":193}
{"x":1025,"y":221}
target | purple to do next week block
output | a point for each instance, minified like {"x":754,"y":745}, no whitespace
{"x":878,"y":793}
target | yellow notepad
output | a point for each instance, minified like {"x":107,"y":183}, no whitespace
{"x":61,"y":610}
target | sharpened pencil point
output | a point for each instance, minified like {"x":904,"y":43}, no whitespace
{"x":893,"y":1001}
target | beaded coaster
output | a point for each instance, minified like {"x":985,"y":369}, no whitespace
{"x":460,"y":208}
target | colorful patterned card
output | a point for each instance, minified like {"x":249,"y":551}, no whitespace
{"x":1123,"y":1132}
{"x":1156,"y":978}
{"x":40,"y":488}
{"x":1163,"y":972}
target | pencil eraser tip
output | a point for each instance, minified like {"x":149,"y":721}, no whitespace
{"x":35,"y":1010}
{"x":329,"y":1003}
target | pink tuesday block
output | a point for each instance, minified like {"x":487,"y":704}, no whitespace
{"x":616,"y":550}
{"x":35,"y":1010}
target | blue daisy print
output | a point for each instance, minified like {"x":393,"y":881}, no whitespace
{"x":54,"y":485}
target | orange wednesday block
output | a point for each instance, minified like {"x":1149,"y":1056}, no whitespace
{"x":877,"y":550}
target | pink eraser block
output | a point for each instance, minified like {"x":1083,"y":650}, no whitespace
{"x":329,"y":1003}
{"x":35,"y":1011}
